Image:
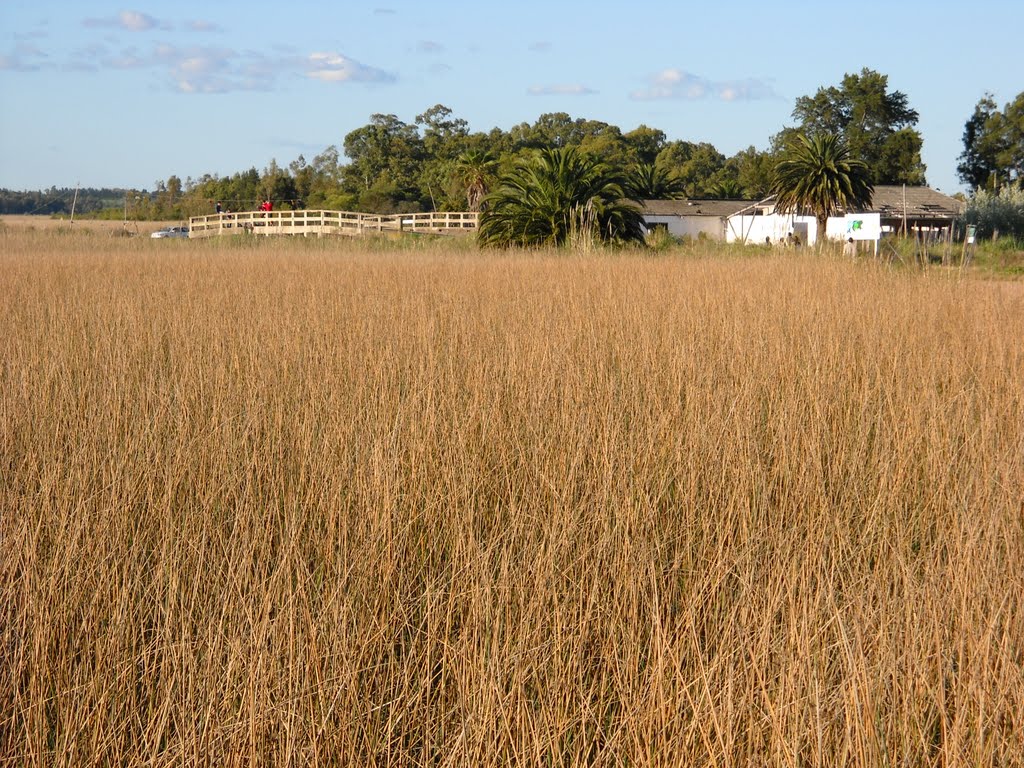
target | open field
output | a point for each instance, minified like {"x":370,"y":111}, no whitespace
{"x":334,"y":503}
{"x":20,"y":223}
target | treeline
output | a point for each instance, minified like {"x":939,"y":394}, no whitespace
{"x":430,"y":164}
{"x":437,"y":163}
{"x":59,"y":201}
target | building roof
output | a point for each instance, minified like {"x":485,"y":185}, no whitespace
{"x":719,"y":208}
{"x":921,"y":203}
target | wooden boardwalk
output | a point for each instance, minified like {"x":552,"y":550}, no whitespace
{"x":320,"y":223}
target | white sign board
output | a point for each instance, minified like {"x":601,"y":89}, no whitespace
{"x":862,"y":226}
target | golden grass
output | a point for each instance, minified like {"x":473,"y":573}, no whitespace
{"x":312,"y":503}
{"x":23,"y":223}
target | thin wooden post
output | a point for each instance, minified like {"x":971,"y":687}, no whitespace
{"x":904,"y":210}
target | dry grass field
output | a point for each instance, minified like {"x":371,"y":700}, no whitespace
{"x":61,"y":225}
{"x":322,"y":503}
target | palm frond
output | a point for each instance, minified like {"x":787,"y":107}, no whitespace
{"x":556,"y":194}
{"x":817,"y":176}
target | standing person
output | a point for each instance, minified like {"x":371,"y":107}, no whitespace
{"x":219,"y":209}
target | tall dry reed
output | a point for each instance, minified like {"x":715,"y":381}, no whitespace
{"x":314,"y":503}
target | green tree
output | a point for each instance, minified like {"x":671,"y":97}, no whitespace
{"x":553,"y":129}
{"x":243,"y":190}
{"x":303,"y":175}
{"x":320,"y":183}
{"x":645,"y":143}
{"x":997,"y":213}
{"x":167,"y":204}
{"x":817,"y":176}
{"x":385,"y":156}
{"x":697,"y":165}
{"x":444,"y":136}
{"x":754,"y":172}
{"x":876,"y":126}
{"x":555,"y":194}
{"x":435,"y":184}
{"x":474,"y":173}
{"x":558,"y":129}
{"x":444,"y":139}
{"x":278,"y":186}
{"x":1013,"y":158}
{"x":496,"y":141}
{"x":607,"y":144}
{"x":654,"y":181}
{"x":993,"y":144}
{"x":725,"y":189}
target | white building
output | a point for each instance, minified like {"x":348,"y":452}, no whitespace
{"x":692,"y":218}
{"x":894,"y":209}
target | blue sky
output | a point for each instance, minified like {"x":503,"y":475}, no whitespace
{"x":125,"y":94}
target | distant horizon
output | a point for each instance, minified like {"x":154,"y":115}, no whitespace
{"x":108,"y":97}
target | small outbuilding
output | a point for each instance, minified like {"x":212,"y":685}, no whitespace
{"x":691,"y":218}
{"x":908,"y":209}
{"x":894,"y":209}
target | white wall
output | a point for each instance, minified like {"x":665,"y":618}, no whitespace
{"x":681,"y":226}
{"x":754,"y":229}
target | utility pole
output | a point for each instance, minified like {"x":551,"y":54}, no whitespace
{"x":904,"y":210}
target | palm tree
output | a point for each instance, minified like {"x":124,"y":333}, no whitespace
{"x":726,"y":189}
{"x":474,"y":171}
{"x":818,"y":175}
{"x":653,"y":181}
{"x":557,"y":194}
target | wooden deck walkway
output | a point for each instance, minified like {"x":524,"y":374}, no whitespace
{"x":320,"y":223}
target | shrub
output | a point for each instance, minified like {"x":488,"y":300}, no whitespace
{"x":997,"y":213}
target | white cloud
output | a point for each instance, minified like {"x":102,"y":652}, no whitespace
{"x":337,"y":68}
{"x":429,"y":46}
{"x":568,"y":89}
{"x":86,"y":59}
{"x":679,"y":84}
{"x":137,"y":22}
{"x":132,"y":21}
{"x":198,"y":68}
{"x":127,"y":59}
{"x":197,"y":25}
{"x":195,"y":64}
{"x":201,"y":69}
{"x":24,"y":57}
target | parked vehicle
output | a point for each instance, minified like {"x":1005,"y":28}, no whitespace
{"x":171,"y":232}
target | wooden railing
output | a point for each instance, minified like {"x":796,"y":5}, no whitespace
{"x":321,"y":223}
